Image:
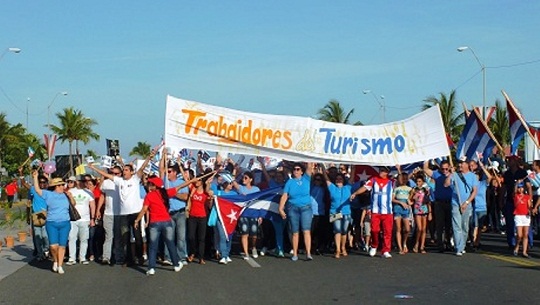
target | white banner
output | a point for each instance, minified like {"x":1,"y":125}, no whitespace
{"x":195,"y":125}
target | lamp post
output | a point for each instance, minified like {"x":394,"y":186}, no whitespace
{"x":64,"y":93}
{"x":12,"y":50}
{"x":382,"y":104}
{"x":483,"y":68}
{"x":27,"y":103}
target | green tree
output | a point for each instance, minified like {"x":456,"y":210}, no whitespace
{"x":452,"y":117}
{"x":142,"y":149}
{"x":333,"y":112}
{"x":499,"y":125}
{"x":93,"y":154}
{"x":74,"y":126}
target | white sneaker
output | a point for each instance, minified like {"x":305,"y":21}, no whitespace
{"x":151,"y":271}
{"x":223,"y":261}
{"x":60,"y":270}
{"x":387,"y":255}
{"x":372,"y":252}
{"x":71,"y":263}
{"x":229,"y":260}
{"x":177,"y":268}
{"x":55,"y":267}
{"x":85,"y":262}
{"x":254,"y":253}
{"x":263,"y":251}
{"x":245,"y":256}
{"x":167,"y":262}
{"x":145,"y":257}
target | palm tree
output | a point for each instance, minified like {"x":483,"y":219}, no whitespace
{"x":333,"y":112}
{"x":500,"y":126}
{"x":142,"y":149}
{"x":452,"y":118}
{"x":74,"y":126}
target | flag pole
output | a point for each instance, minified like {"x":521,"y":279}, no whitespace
{"x":520,"y":118}
{"x":488,"y":130}
{"x":465,"y":110}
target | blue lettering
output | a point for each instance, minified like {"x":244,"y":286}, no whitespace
{"x":329,"y":132}
{"x":381,"y":144}
{"x":367,"y":147}
{"x":399,"y":143}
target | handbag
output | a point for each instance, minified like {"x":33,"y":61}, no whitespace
{"x":336,"y":216}
{"x":39,"y":218}
{"x":73,"y":213}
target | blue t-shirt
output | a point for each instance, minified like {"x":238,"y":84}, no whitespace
{"x":242,"y":189}
{"x":176,"y":204}
{"x":441,"y":192}
{"x":480,"y":204}
{"x":339,"y":197}
{"x":57,"y":206}
{"x":317,"y":200}
{"x":223,"y":193}
{"x":298,"y":191}
{"x":38,"y":203}
{"x":464,"y":191}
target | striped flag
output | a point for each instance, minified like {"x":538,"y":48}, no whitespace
{"x":31,"y":152}
{"x":474,"y":139}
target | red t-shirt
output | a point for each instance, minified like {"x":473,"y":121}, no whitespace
{"x":521,"y":204}
{"x":156,"y":207}
{"x":11,"y":188}
{"x":198,"y":204}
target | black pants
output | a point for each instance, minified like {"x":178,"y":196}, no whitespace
{"x":443,"y":221}
{"x":126,"y":229}
{"x":196,"y":229}
{"x":320,"y":229}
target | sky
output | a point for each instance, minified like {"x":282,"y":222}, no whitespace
{"x":118,"y":60}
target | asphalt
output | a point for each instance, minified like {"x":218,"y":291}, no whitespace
{"x":490,"y":276}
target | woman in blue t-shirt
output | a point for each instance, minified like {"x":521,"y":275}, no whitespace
{"x":58,"y":224}
{"x":297,"y":194}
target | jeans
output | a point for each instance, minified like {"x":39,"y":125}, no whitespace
{"x":341,"y":226}
{"x":300,"y":218}
{"x":108,"y":226}
{"x":58,"y":232}
{"x":460,"y":224}
{"x":225,"y":242}
{"x":319,"y":232}
{"x":279,"y":228}
{"x":164,"y":229}
{"x":443,"y":221}
{"x":40,"y":240}
{"x":119,"y":254}
{"x":79,"y":230}
{"x":179,"y":226}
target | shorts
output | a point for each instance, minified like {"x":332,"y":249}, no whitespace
{"x":480,"y":218}
{"x":367,"y":228}
{"x":248,"y":226}
{"x":400,"y":211}
{"x":300,"y":218}
{"x":522,"y":220}
{"x":341,"y":226}
{"x":58,"y":232}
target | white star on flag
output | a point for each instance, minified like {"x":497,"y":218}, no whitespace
{"x":232,"y":216}
{"x":363,"y":176}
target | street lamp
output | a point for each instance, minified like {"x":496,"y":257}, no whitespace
{"x":12,"y":50}
{"x":382,"y":104}
{"x":483,"y":68}
{"x":64,"y":93}
{"x":27,"y":102}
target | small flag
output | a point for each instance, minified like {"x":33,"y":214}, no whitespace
{"x":31,"y":152}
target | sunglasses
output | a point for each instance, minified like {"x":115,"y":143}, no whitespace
{"x":297,"y":169}
{"x":71,"y":181}
{"x":245,"y":178}
{"x":444,"y":169}
{"x":42,"y":181}
{"x":318,"y":180}
{"x":169,"y":172}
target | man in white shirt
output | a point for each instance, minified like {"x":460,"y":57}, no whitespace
{"x":110,"y":197}
{"x":130,"y":206}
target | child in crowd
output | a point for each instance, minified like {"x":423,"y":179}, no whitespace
{"x":422,"y":212}
{"x":365,"y":221}
{"x":522,"y":205}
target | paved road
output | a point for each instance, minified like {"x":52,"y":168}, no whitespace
{"x":488,"y":277}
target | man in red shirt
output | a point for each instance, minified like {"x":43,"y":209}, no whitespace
{"x":11,"y":190}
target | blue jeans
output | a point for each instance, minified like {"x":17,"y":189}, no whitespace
{"x":341,"y":226}
{"x":58,"y":232}
{"x":166,"y":230}
{"x":300,"y":217}
{"x":278,"y":229}
{"x":179,"y":226}
{"x":41,"y":241}
{"x":460,"y":225}
{"x":223,"y":244}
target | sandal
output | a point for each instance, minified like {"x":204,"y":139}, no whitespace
{"x":415,"y":249}
{"x":405,"y":250}
{"x":336,"y":255}
{"x":423,"y":251}
{"x":344,"y":253}
{"x":202,"y":262}
{"x":190,"y":258}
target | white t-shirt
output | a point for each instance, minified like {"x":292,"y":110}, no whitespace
{"x":130,"y":195}
{"x":112,"y":197}
{"x":82,"y":199}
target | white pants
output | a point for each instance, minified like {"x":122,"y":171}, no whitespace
{"x":79,"y":230}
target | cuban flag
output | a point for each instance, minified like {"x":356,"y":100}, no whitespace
{"x":31,"y":152}
{"x":474,"y":139}
{"x":517,"y":129}
{"x":263,"y":204}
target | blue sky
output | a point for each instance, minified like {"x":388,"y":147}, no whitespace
{"x":119,"y":59}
